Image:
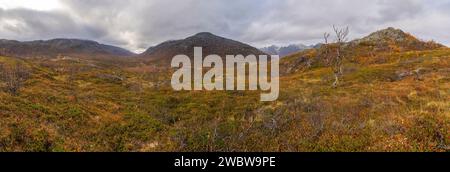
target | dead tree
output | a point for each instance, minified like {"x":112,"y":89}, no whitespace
{"x":14,"y":77}
{"x":333,"y":53}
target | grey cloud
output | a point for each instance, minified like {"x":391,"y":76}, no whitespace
{"x":25,"y":24}
{"x":398,"y":10}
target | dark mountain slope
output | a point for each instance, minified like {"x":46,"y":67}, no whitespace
{"x":55,"y":47}
{"x":210,"y":43}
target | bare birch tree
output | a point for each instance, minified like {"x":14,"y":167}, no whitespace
{"x":333,"y":52}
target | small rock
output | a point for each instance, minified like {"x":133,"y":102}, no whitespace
{"x":110,"y":77}
{"x":400,"y":75}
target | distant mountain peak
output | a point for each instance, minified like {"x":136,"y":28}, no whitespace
{"x":389,"y":33}
{"x":283,"y":51}
{"x":394,"y":39}
{"x":390,"y":29}
{"x":204,"y":34}
{"x":211,"y":44}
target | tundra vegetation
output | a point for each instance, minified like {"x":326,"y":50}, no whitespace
{"x":391,"y":96}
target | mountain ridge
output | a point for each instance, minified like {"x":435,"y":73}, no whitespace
{"x":59,"y":46}
{"x":283,"y":51}
{"x":211,"y":44}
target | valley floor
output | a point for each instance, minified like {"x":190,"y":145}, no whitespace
{"x":82,"y":105}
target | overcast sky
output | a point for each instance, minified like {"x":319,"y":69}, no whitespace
{"x":139,"y":24}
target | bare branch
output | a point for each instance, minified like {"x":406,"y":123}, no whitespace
{"x":326,"y":35}
{"x":341,"y":34}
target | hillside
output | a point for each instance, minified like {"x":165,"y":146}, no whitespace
{"x":377,"y":47}
{"x":55,"y":47}
{"x":391,"y":39}
{"x":388,"y":101}
{"x":210,"y":43}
